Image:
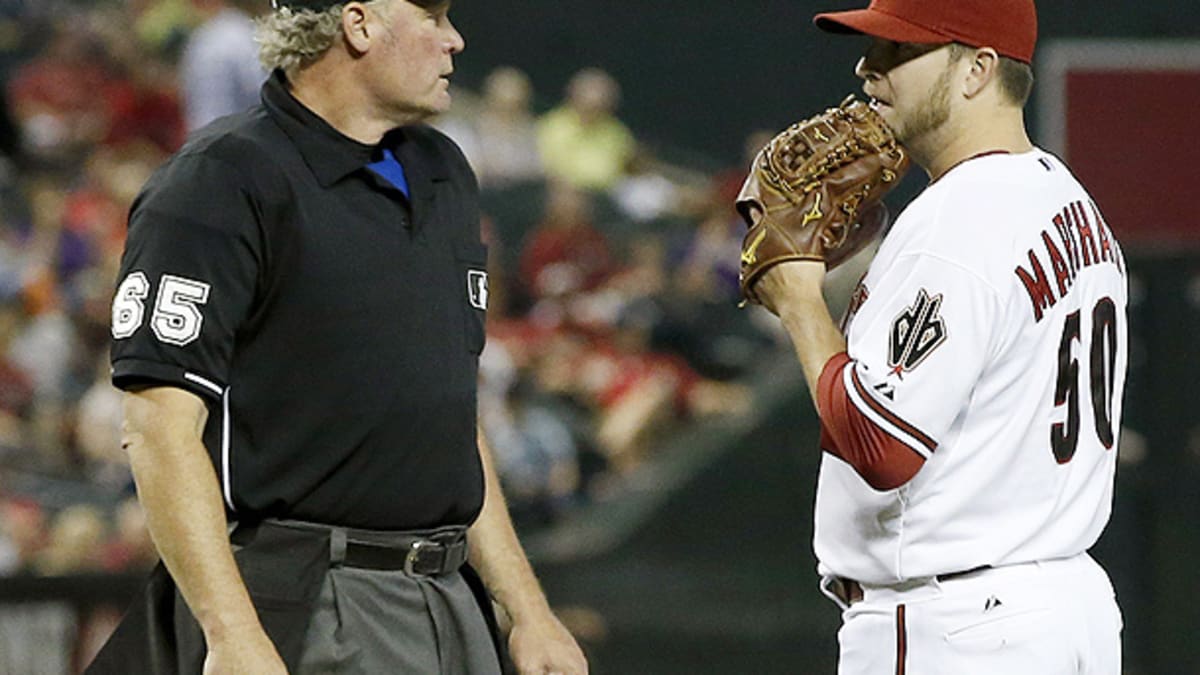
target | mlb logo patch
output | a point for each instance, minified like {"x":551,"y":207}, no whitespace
{"x":477,"y":288}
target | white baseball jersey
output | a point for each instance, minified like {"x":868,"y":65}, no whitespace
{"x":988,"y":336}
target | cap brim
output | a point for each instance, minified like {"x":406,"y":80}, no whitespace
{"x":877,"y":24}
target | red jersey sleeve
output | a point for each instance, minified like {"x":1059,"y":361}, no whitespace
{"x":883,"y":461}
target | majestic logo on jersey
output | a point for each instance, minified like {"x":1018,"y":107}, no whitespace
{"x":916,"y":332}
{"x":477,"y":288}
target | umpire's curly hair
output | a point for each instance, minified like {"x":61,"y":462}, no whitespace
{"x":291,"y":39}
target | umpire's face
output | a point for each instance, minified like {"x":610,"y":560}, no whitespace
{"x":407,"y":50}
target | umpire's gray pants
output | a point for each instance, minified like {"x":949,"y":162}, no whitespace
{"x":371,"y":622}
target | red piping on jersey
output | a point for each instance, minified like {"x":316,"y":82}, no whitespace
{"x":890,"y":416}
{"x":882,"y":460}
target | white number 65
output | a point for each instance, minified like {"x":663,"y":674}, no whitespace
{"x":176,"y":318}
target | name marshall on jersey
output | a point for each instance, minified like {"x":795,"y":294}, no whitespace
{"x":1085,"y":240}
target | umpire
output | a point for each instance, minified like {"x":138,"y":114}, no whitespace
{"x":297,"y":330}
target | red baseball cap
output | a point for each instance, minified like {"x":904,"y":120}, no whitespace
{"x":1008,"y":26}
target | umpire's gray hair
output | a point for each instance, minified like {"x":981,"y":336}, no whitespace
{"x":291,"y":39}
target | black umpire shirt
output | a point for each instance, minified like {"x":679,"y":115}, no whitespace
{"x":332,"y":325}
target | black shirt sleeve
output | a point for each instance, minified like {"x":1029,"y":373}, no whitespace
{"x":188,"y":276}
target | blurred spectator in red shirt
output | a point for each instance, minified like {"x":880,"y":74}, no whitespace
{"x":58,"y":98}
{"x":22,"y":535}
{"x":94,"y":213}
{"x":564,"y":253}
{"x":84,"y":90}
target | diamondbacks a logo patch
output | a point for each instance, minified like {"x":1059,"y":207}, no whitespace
{"x":916,"y":332}
{"x":477,"y":288}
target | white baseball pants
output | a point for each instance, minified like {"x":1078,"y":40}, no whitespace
{"x":1056,"y":617}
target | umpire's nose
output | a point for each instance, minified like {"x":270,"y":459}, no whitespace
{"x":454,"y":39}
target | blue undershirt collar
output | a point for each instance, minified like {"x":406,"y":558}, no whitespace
{"x":390,"y":169}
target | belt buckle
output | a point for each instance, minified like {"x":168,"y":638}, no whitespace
{"x":414,"y":555}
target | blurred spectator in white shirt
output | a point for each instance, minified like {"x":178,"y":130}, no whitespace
{"x":497,"y":134}
{"x":220,"y":73}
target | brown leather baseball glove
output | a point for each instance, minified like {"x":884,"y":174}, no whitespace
{"x":814,"y":191}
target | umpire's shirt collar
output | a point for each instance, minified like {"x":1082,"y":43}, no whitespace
{"x":331,"y":155}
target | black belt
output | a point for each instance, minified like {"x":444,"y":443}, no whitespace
{"x":424,"y":553}
{"x":850,"y":591}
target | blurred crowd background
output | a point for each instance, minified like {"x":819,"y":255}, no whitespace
{"x":613,"y":274}
{"x":613,"y":321}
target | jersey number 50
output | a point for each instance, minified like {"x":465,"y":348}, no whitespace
{"x":176,"y":318}
{"x":1102,"y":360}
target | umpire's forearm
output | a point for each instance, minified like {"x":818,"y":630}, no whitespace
{"x":179,"y":493}
{"x":497,"y":555}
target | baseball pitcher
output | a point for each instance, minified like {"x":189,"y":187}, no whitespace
{"x":971,"y":400}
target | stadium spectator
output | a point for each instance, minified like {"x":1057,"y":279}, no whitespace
{"x":144,"y":106}
{"x":498,"y":136}
{"x":707,"y":263}
{"x":564,"y":252}
{"x":581,"y":141}
{"x":16,"y":388}
{"x":161,"y":26}
{"x":91,"y":227}
{"x":76,"y":534}
{"x":130,"y":548}
{"x":97,"y":431}
{"x":220,"y":73}
{"x":535,"y":450}
{"x":640,"y":392}
{"x":100,"y":110}
{"x":22,"y":535}
{"x":58,"y":97}
{"x":643,"y":193}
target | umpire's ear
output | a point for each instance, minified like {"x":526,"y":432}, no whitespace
{"x":359,"y":26}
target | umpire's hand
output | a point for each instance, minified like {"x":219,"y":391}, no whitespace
{"x":250,"y":651}
{"x":545,"y":647}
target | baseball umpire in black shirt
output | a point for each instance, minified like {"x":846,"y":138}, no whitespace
{"x":297,"y":326}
